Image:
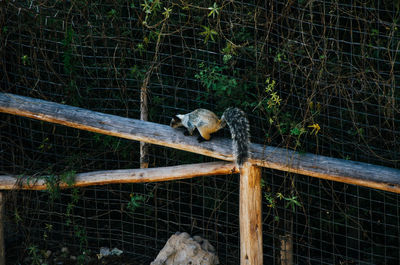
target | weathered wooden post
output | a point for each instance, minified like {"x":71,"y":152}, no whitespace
{"x":286,"y":251}
{"x":250,"y":213}
{"x":2,"y":246}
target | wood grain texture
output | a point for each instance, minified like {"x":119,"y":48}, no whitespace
{"x":345,"y":171}
{"x":250,"y":212}
{"x":2,"y":222}
{"x":124,"y":176}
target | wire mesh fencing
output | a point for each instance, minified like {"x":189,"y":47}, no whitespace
{"x":313,"y":76}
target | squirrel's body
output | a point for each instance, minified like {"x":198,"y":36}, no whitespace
{"x":207,"y":122}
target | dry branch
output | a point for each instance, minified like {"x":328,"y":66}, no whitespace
{"x":144,"y":98}
{"x":123,"y":176}
{"x":345,"y":171}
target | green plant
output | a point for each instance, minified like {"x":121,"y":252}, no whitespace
{"x":270,"y":199}
{"x":25,"y":59}
{"x":48,"y":229}
{"x":212,"y":78}
{"x":68,"y":177}
{"x":18,"y":218}
{"x":214,"y":10}
{"x":226,"y":58}
{"x":244,"y":34}
{"x":229,"y":49}
{"x":135,"y":202}
{"x":137,"y":73}
{"x":68,"y":50}
{"x":150,"y":7}
{"x":79,"y":231}
{"x":53,"y":182}
{"x":52,"y":186}
{"x":222,"y":86}
{"x":112,"y":14}
{"x":71,"y":205}
{"x":279,"y":57}
{"x":292,"y":202}
{"x":167,"y":12}
{"x":34,"y":254}
{"x":208,"y":33}
{"x":81,"y":234}
{"x":140,"y":48}
{"x":271,"y":101}
{"x":315,"y":128}
{"x":297,"y":131}
{"x":45,"y":145}
{"x":314,"y":108}
{"x":281,"y":121}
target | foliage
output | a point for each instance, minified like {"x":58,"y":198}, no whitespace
{"x":213,"y":78}
{"x":35,"y":255}
{"x":289,"y":201}
{"x":214,"y":10}
{"x":137,"y":201}
{"x":208,"y":33}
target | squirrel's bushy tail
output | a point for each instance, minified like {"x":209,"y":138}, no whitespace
{"x":240,"y":131}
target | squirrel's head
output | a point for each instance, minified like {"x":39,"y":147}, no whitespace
{"x":176,"y":121}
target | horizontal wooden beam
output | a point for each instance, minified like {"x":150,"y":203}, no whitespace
{"x":341,"y":170}
{"x":122,"y":176}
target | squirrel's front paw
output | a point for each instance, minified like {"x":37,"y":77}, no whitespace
{"x":200,"y":139}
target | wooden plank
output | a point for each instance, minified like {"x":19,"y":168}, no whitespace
{"x":124,"y":176}
{"x":250,"y":212}
{"x":286,"y":249}
{"x":2,"y":219}
{"x":132,"y":129}
{"x":345,"y":171}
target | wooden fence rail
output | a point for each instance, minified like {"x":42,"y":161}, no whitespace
{"x":341,"y":170}
{"x":345,"y":171}
{"x":9,"y":182}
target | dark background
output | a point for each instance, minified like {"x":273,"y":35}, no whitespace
{"x":290,"y":65}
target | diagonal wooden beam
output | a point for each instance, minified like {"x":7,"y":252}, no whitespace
{"x":341,"y":170}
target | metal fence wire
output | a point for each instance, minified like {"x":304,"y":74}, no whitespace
{"x":313,"y":76}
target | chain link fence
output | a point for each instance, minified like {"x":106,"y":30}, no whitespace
{"x":313,"y":76}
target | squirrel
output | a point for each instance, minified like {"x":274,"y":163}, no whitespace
{"x":207,"y":122}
